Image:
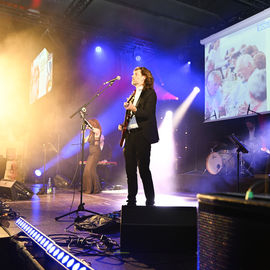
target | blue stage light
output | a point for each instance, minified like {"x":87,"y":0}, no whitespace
{"x":38,"y":172}
{"x":52,"y":249}
{"x":138,"y":58}
{"x":42,"y":241}
{"x":40,"y":238}
{"x":98,"y":49}
{"x":46,"y":243}
{"x":60,"y":256}
{"x":63,"y":257}
{"x":70,"y":263}
{"x":76,"y":266}
{"x":56,"y":252}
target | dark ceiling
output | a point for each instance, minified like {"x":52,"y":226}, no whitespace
{"x":159,"y":21}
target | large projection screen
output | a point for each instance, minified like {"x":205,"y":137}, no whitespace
{"x":41,"y":76}
{"x":237,"y":82}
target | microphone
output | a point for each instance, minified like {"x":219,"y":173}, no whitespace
{"x":248,"y":108}
{"x":113,"y":80}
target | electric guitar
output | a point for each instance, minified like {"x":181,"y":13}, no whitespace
{"x":128,"y":115}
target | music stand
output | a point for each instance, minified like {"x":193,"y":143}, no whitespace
{"x":240,"y":148}
{"x":82,"y":112}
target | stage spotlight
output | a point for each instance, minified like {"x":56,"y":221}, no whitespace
{"x":189,"y":62}
{"x":98,"y":49}
{"x":138,"y":58}
{"x":169,"y":114}
{"x":196,"y":89}
{"x":60,"y":255}
{"x":38,"y":173}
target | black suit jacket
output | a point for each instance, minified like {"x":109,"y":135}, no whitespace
{"x":146,"y":115}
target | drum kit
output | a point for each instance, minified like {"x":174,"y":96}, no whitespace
{"x":222,"y":161}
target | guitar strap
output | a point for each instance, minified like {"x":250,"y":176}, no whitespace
{"x":132,"y":100}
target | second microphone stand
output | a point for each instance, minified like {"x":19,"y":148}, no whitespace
{"x":240,"y":148}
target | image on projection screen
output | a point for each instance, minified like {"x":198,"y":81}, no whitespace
{"x":236,"y":75}
{"x":41,"y":75}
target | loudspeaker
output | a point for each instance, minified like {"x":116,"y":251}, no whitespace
{"x":14,"y":190}
{"x":233,"y":233}
{"x":153,"y":228}
{"x":61,"y":181}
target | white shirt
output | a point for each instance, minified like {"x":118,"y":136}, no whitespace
{"x":132,"y":122}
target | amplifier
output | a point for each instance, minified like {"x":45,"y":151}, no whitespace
{"x":14,"y":190}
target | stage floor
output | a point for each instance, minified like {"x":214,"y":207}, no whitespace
{"x":41,"y":211}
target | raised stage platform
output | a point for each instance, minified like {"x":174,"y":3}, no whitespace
{"x":41,"y":211}
{"x":163,"y":237}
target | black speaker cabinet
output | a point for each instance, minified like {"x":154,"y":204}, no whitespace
{"x":153,"y":228}
{"x":14,"y":190}
{"x":233,"y":233}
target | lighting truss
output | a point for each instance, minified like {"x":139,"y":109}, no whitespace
{"x":64,"y":258}
{"x":77,"y":7}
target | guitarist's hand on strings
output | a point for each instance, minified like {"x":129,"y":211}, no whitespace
{"x":130,"y":107}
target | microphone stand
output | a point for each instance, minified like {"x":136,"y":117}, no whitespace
{"x":240,"y":148}
{"x":82,"y":112}
{"x":83,"y":107}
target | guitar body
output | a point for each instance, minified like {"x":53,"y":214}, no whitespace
{"x":124,"y":131}
{"x":128,"y":115}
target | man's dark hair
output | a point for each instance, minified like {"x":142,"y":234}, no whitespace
{"x":149,"y":80}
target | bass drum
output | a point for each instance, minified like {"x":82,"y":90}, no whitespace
{"x":222,"y":162}
{"x":214,"y":163}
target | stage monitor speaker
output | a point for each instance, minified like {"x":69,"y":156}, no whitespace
{"x":154,"y":228}
{"x":14,"y":190}
{"x":233,"y":233}
{"x":61,"y":181}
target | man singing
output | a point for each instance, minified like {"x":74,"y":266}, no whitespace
{"x":141,"y":132}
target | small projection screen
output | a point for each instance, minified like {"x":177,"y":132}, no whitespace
{"x":41,"y":76}
{"x":237,"y":76}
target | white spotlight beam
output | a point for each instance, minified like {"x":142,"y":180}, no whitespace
{"x":64,"y":258}
{"x":182,"y":109}
{"x":163,"y":168}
